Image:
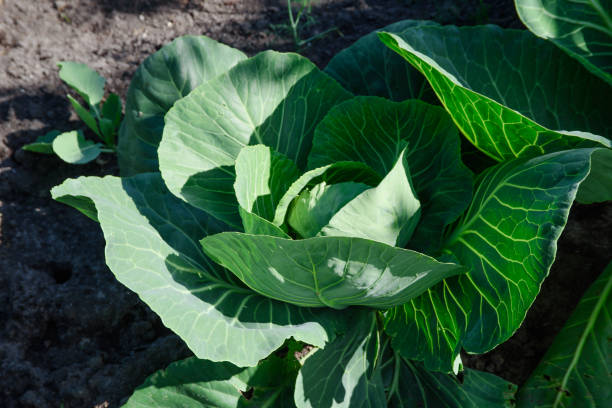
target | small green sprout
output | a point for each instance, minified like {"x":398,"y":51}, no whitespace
{"x":103,"y":118}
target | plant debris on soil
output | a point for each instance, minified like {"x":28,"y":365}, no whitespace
{"x":70,"y":335}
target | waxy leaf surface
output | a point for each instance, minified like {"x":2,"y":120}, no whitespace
{"x":87,"y":82}
{"x":72,"y":147}
{"x":375,"y":131}
{"x":344,"y":373}
{"x":576,"y":371}
{"x":367,"y":67}
{"x":339,"y":172}
{"x":387,"y":213}
{"x":271,"y":99}
{"x":511,"y":94}
{"x":262,"y":177}
{"x":200,"y":383}
{"x":582,"y":28}
{"x":327,"y":271}
{"x":507,"y":240}
{"x":313,"y":208}
{"x":162,"y":79}
{"x":152,"y":248}
{"x":417,"y":387}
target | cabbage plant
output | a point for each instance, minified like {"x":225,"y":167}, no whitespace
{"x":314,"y":236}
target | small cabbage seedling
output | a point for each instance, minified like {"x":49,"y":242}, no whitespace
{"x":293,"y":26}
{"x":103,"y":118}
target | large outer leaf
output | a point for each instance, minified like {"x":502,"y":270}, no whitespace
{"x":375,"y":131}
{"x":193,"y":382}
{"x":327,"y":271}
{"x":344,"y":373}
{"x":415,"y":386}
{"x":577,"y":369}
{"x":152,"y":248}
{"x":201,"y":383}
{"x":508,"y":90}
{"x":272,"y":99}
{"x":163,"y":78}
{"x":507,"y":239}
{"x":582,"y":28}
{"x":367,"y":67}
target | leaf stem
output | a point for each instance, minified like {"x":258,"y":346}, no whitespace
{"x":396,"y":371}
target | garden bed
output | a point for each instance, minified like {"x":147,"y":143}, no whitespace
{"x":69,"y":333}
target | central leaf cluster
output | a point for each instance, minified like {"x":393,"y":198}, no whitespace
{"x":322,"y":195}
{"x":336,"y":202}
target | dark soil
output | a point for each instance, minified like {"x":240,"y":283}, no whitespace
{"x":69,"y":334}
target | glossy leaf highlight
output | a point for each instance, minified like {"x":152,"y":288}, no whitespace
{"x":344,"y":373}
{"x":511,"y":93}
{"x":331,"y":272}
{"x":582,"y":29}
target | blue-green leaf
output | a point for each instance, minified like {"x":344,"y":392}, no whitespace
{"x":507,"y":239}
{"x":327,"y":271}
{"x":200,"y":383}
{"x":313,"y":208}
{"x":367,"y":67}
{"x":87,"y":82}
{"x":271,"y":99}
{"x":262,"y":177}
{"x":511,"y":93}
{"x":583,"y":29}
{"x":414,"y":386}
{"x":387,"y":213}
{"x":339,"y":172}
{"x":374,"y":131}
{"x":162,"y":79}
{"x":152,"y":248}
{"x":344,"y":373}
